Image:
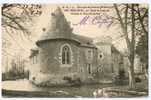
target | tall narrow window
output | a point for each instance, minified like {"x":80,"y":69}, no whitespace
{"x":63,"y":57}
{"x":89,"y":68}
{"x":66,"y":55}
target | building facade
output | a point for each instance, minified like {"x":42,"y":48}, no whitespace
{"x":110,"y":60}
{"x":60,"y":53}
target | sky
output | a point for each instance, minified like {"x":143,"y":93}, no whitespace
{"x":89,"y":30}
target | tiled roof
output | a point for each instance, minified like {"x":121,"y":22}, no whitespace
{"x":83,"y":40}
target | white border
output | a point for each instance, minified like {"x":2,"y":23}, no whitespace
{"x":74,"y":1}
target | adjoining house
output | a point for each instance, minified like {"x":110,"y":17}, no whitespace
{"x":61,"y":54}
{"x":110,"y":60}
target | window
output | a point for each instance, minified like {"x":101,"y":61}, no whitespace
{"x":34,"y":59}
{"x":89,"y":68}
{"x":66,"y":55}
{"x":101,"y":56}
{"x":89,"y":54}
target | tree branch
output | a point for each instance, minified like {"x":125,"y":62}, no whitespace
{"x":141,"y":19}
{"x":123,"y":25}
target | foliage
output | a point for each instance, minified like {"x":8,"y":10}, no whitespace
{"x":17,"y":16}
{"x":142,"y":48}
{"x":133,"y":22}
{"x":121,"y":74}
{"x":16,"y":22}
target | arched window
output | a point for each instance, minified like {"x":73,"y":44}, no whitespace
{"x":66,"y":55}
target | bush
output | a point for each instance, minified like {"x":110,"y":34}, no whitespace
{"x":12,"y":75}
{"x":120,"y":79}
{"x":137,"y":79}
{"x":121,"y":74}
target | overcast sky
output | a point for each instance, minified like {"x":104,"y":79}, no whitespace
{"x":87,"y":30}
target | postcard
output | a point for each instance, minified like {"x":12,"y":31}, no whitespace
{"x":75,"y":50}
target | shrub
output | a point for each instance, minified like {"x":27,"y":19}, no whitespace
{"x":137,"y":79}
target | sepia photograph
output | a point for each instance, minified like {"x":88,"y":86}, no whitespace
{"x":74,"y":50}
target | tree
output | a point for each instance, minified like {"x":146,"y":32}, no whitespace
{"x":142,"y":51}
{"x":16,"y":22}
{"x":17,"y":16}
{"x":142,"y":45}
{"x":131,"y":22}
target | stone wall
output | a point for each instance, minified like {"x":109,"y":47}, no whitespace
{"x":84,"y":61}
{"x":104,"y":60}
{"x":50,"y":57}
{"x":49,"y":60}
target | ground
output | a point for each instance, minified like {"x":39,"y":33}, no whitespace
{"x":23,"y":88}
{"x":140,"y":90}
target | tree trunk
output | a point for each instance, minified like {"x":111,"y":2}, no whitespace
{"x":131,"y":76}
{"x":130,"y":44}
{"x":132,"y":51}
{"x":145,"y":70}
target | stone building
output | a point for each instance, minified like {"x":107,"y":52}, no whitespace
{"x":110,"y":60}
{"x":60,"y":53}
